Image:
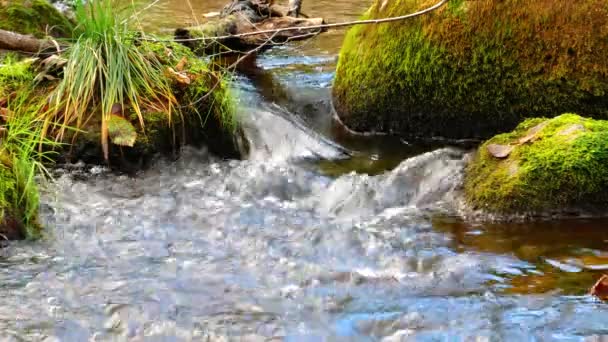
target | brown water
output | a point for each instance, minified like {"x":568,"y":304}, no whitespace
{"x":298,"y":243}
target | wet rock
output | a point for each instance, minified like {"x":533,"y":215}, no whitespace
{"x":456,"y":74}
{"x":564,"y":168}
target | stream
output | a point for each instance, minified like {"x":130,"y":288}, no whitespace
{"x":318,"y":236}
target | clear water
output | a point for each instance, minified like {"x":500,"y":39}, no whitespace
{"x":299,"y":243}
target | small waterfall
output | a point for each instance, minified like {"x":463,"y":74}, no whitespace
{"x":276,"y":135}
{"x":422,"y":181}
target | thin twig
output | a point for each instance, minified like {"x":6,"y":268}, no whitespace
{"x":136,"y":14}
{"x":315,"y":27}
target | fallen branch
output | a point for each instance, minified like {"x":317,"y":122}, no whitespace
{"x":13,"y":41}
{"x":307,"y":28}
{"x":242,"y":25}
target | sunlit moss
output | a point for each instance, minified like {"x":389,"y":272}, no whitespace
{"x":473,"y":68}
{"x":564,"y":166}
{"x":14,"y":73}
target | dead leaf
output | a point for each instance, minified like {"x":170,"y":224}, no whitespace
{"x":532,"y":133}
{"x":500,"y":151}
{"x":182,"y":64}
{"x":5,"y":114}
{"x":600,"y":289}
{"x":121,"y":131}
{"x":180,"y":77}
{"x":53,"y":61}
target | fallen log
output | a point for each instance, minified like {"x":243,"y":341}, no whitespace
{"x":13,"y":41}
{"x":249,"y":16}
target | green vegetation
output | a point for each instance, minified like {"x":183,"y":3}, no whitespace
{"x":165,"y":92}
{"x":108,"y":87}
{"x":554,"y":165}
{"x":36,"y":17}
{"x":473,"y":68}
{"x":105,"y":68}
{"x":20,"y":157}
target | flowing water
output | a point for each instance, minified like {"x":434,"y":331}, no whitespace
{"x":305,"y":241}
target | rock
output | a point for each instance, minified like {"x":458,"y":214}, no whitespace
{"x":473,"y":68}
{"x":564,"y":169}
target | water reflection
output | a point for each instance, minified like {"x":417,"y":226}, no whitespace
{"x":566,"y":255}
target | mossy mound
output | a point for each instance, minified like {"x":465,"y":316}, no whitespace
{"x":473,"y":68}
{"x":35,"y":17}
{"x":543,"y":166}
{"x":205,"y":116}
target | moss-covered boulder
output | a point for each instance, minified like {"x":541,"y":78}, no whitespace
{"x":473,"y":68}
{"x":544,"y":166}
{"x":35,"y":17}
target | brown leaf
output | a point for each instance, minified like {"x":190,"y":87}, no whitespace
{"x":500,"y":151}
{"x":532,"y":133}
{"x":180,"y":77}
{"x":600,"y":289}
{"x":5,"y":114}
{"x":182,"y":64}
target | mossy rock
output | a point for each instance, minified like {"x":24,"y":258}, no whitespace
{"x":473,"y":68}
{"x":36,"y":17}
{"x":544,"y":166}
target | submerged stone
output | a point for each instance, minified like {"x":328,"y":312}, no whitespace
{"x":564,"y":169}
{"x":473,"y":68}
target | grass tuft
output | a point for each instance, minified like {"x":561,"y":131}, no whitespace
{"x":105,"y":68}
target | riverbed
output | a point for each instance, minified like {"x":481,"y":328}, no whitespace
{"x":318,"y":236}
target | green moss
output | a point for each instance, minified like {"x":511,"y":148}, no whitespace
{"x":564,"y":165}
{"x":36,"y":17}
{"x":14,"y":74}
{"x":454,"y":73}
